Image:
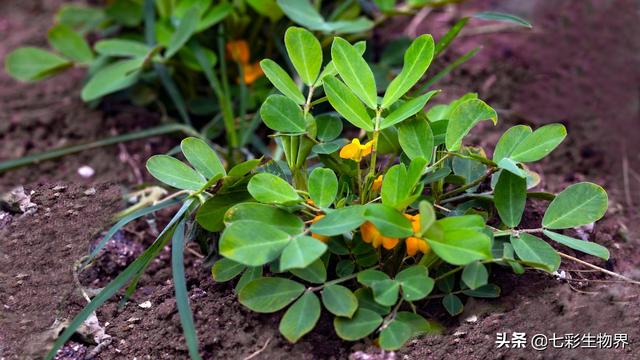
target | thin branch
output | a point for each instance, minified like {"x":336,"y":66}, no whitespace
{"x":619,"y":276}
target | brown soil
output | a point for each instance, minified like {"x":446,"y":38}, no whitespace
{"x":579,"y":66}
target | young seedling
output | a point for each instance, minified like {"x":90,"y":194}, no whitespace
{"x":341,"y":231}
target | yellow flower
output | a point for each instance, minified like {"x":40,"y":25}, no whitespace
{"x":415,"y":244}
{"x":317,"y":236}
{"x":377,"y":184}
{"x":238,"y":50}
{"x":355,"y":151}
{"x":251,"y":72}
{"x":371,"y":235}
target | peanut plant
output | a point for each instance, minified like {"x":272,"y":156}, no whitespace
{"x":370,"y":226}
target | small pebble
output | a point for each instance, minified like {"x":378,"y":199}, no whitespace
{"x":145,"y":305}
{"x":86,"y":171}
{"x":90,"y":191}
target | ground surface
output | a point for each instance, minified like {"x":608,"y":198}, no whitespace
{"x":579,"y":66}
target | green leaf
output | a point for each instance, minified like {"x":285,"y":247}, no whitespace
{"x":577,"y":205}
{"x":182,"y":294}
{"x":385,"y":292}
{"x":389,"y":221}
{"x":346,"y":103}
{"x":70,"y":44}
{"x":252,"y":243}
{"x":186,"y":28}
{"x":268,"y":8}
{"x":460,"y":247}
{"x":340,"y":221}
{"x":394,"y":190}
{"x":368,"y":277}
{"x":536,"y":251}
{"x":418,"y":324}
{"x":31,"y":64}
{"x":469,"y":169}
{"x":301,"y":252}
{"x":266,"y":214}
{"x":226,"y":269}
{"x":301,"y":317}
{"x":315,"y":273}
{"x":269,"y":294}
{"x":416,"y":61}
{"x":363,"y":323}
{"x":415,"y":282}
{"x":509,"y":140}
{"x":416,"y":139}
{"x":252,"y":273}
{"x":468,"y":222}
{"x":407,"y":109}
{"x":214,"y":15}
{"x":329,"y":127}
{"x":512,"y":167}
{"x":586,"y":247}
{"x":354,"y":71}
{"x":330,"y":69}
{"x":174,"y":172}
{"x":244,"y":168}
{"x":282,"y":81}
{"x":510,"y":196}
{"x":475,"y":275}
{"x":395,"y":335}
{"x":122,"y":48}
{"x":282,"y":114}
{"x":498,"y":16}
{"x":203,"y":158}
{"x":427,"y":216}
{"x":305,"y":53}
{"x":355,"y":26}
{"x":365,"y":301}
{"x":339,"y":300}
{"x":111,"y":78}
{"x":452,"y":304}
{"x":463,"y":118}
{"x":323,"y":186}
{"x":303,"y":13}
{"x":489,"y":291}
{"x":329,"y":147}
{"x":345,"y":267}
{"x":79,"y":17}
{"x":271,"y":189}
{"x":539,"y":144}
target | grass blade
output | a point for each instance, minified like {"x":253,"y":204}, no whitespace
{"x":111,"y":289}
{"x":459,"y":61}
{"x":172,"y":89}
{"x":182,"y":294}
{"x":134,"y":282}
{"x":447,"y":38}
{"x":63,"y":151}
{"x":127,"y":219}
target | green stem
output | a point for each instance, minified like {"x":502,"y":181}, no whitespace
{"x":340,"y":280}
{"x":477,"y":181}
{"x":374,"y":149}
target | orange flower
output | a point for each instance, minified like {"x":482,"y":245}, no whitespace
{"x":377,"y":184}
{"x":252,"y":72}
{"x":371,"y":235}
{"x":355,"y":151}
{"x":238,"y":50}
{"x":415,"y":244}
{"x":317,"y":236}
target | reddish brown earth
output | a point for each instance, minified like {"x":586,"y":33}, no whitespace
{"x":579,"y":66}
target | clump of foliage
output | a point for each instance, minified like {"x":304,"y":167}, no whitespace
{"x":370,"y":226}
{"x":196,"y":61}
